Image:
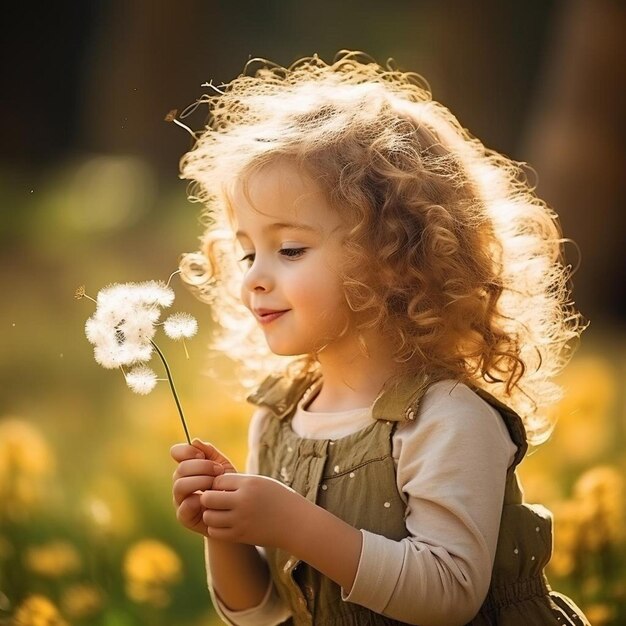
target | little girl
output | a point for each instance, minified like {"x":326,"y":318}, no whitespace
{"x":402,"y":292}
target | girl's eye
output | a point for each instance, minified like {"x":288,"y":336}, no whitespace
{"x":248,"y":259}
{"x":292,"y":253}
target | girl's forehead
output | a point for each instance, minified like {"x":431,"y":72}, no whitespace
{"x":279,"y":192}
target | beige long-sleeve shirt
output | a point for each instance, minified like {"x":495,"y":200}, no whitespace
{"x":451,"y":464}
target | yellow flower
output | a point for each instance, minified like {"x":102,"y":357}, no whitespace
{"x":600,"y":614}
{"x":567,"y":527}
{"x":82,"y":600}
{"x":150,"y":568}
{"x":37,"y":610}
{"x":52,"y":560}
{"x":583,"y":428}
{"x":23,"y":448}
{"x":25,"y":461}
{"x":600,"y":493}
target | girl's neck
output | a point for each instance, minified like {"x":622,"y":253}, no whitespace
{"x":352,"y":380}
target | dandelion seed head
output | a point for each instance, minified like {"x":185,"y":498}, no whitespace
{"x":180,"y":325}
{"x":140,"y":329}
{"x":80,"y":292}
{"x":99,"y":511}
{"x":123,"y":324}
{"x":141,"y":352}
{"x":96,"y":332}
{"x":141,"y":380}
{"x":107,"y":356}
{"x":156,"y":292}
{"x":114,"y":296}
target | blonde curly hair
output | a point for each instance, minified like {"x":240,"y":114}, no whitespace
{"x":467,"y":278}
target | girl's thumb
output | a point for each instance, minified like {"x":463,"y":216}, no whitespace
{"x":210,"y":452}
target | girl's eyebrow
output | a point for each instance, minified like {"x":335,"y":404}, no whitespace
{"x":282,"y":226}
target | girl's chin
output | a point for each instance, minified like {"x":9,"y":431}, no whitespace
{"x":287,"y":352}
{"x":286,"y":349}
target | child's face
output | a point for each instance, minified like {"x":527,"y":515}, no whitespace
{"x":291,"y":243}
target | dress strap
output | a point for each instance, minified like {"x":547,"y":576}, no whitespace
{"x":400,"y":398}
{"x":281,"y":393}
{"x":513,"y":422}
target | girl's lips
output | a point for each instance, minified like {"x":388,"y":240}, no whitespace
{"x":265,"y":316}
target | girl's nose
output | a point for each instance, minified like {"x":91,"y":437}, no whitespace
{"x":258,"y":278}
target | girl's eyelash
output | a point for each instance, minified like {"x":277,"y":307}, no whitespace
{"x":292,"y":252}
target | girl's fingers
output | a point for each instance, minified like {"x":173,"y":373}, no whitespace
{"x":217,"y":500}
{"x":190,"y":511}
{"x":217,"y":519}
{"x":198,"y":467}
{"x":184,"y":487}
{"x":228,"y":481}
{"x":183,"y":451}
{"x":220,"y":534}
{"x":209,"y":451}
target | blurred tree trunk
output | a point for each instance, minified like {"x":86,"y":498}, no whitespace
{"x":148,"y":57}
{"x":577,"y":143}
{"x":482,"y":63}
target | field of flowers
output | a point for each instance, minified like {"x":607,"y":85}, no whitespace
{"x":88,"y":534}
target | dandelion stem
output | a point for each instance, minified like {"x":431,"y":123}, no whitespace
{"x":169,"y":280}
{"x":169,"y":378}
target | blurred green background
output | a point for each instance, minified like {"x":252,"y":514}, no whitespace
{"x":89,"y":194}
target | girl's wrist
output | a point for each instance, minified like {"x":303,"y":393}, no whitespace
{"x":297,"y":510}
{"x":323,"y":540}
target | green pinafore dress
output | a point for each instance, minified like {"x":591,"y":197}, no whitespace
{"x":354,"y":478}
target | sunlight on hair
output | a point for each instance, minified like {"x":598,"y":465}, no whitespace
{"x":468,"y":280}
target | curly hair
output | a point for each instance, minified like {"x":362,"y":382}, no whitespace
{"x":467,"y":276}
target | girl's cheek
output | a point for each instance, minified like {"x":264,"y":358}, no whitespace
{"x":244,"y":296}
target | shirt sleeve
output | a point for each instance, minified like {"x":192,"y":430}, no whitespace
{"x":272,"y":610}
{"x":451,"y":469}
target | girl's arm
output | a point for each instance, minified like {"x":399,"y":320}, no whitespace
{"x":258,"y":510}
{"x":238,"y":573}
{"x":451,"y":467}
{"x":295,"y":524}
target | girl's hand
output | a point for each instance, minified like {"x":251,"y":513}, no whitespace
{"x":198,"y":465}
{"x":256,"y":510}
